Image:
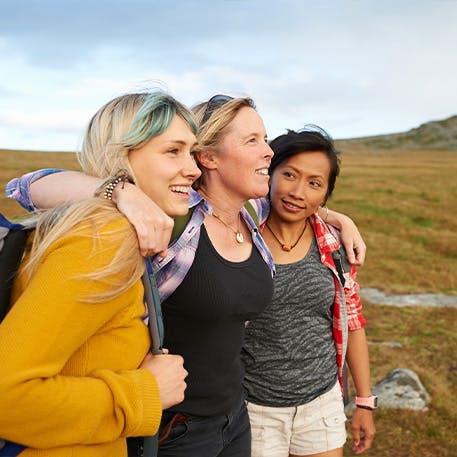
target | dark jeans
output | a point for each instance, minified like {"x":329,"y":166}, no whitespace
{"x":228,"y":435}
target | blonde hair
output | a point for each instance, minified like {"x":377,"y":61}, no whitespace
{"x":121,"y":125}
{"x":92,"y":214}
{"x":125,"y":123}
{"x":211,"y":132}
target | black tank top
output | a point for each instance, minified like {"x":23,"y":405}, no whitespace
{"x":205,"y":320}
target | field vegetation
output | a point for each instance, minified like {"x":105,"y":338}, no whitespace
{"x":405,"y":204}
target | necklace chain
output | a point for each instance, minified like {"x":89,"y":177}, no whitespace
{"x":238,"y":235}
{"x":284,"y":246}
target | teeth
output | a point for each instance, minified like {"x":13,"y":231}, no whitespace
{"x":180,"y":189}
{"x":262,"y":171}
{"x":292,"y":205}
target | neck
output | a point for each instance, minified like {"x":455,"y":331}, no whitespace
{"x":286,"y":229}
{"x":222,"y":205}
{"x":287,"y":244}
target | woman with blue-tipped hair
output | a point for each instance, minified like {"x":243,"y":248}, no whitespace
{"x":77,"y":377}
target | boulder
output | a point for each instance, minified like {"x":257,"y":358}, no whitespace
{"x":402,"y":389}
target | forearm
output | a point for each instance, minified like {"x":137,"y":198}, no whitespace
{"x":358,"y":362}
{"x":60,"y":188}
{"x":39,"y":190}
{"x":362,"y":423}
{"x":333,"y":217}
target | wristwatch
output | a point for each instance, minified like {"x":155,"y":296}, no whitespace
{"x":370,"y":403}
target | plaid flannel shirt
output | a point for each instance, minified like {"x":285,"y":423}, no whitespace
{"x":19,"y":188}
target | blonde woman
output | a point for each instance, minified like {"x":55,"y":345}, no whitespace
{"x":77,"y":375}
{"x":213,"y":278}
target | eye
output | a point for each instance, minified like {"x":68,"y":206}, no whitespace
{"x":252,"y":140}
{"x":173,"y":151}
{"x":316,"y":184}
{"x":288,"y":175}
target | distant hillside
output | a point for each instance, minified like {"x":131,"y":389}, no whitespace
{"x":431,"y":135}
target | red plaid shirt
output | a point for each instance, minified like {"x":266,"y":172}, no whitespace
{"x":343,"y":320}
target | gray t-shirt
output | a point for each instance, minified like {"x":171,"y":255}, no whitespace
{"x":289,"y":352}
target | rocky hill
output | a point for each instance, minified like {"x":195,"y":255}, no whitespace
{"x":440,"y":134}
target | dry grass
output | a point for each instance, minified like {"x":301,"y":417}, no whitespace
{"x":428,"y":347}
{"x":15,"y":163}
{"x":405,"y":204}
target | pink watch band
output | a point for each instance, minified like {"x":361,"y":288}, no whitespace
{"x":367,"y":402}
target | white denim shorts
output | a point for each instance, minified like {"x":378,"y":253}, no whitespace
{"x":315,"y":427}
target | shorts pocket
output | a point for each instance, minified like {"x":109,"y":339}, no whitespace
{"x":337,"y":419}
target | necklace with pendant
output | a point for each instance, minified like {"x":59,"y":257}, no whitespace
{"x":238,"y":235}
{"x":285,"y":247}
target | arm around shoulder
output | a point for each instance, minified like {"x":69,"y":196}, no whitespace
{"x":350,"y":236}
{"x":47,"y":188}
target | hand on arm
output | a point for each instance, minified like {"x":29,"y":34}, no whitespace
{"x":350,"y":236}
{"x":362,"y":424}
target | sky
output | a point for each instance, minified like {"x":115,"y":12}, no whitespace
{"x":354,"y":67}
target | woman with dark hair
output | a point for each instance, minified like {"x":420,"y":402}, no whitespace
{"x":295,"y":349}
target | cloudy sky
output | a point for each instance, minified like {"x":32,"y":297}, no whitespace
{"x":354,"y":67}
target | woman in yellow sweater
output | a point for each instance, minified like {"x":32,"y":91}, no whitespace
{"x":77,"y":377}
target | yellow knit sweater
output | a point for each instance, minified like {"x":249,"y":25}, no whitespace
{"x":68,"y":379}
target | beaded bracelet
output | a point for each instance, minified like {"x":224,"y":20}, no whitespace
{"x":107,"y":188}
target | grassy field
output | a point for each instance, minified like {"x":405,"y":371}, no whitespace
{"x":15,"y":163}
{"x":405,"y":203}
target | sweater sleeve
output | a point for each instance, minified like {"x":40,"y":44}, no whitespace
{"x":47,"y":324}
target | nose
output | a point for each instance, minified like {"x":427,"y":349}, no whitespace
{"x":190,"y":169}
{"x":297,"y":191}
{"x":268,"y":151}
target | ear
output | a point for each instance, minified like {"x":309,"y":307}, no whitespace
{"x":207,"y":158}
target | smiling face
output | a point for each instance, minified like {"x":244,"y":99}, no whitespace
{"x":243,"y":156}
{"x":165,"y":168}
{"x":299,"y":185}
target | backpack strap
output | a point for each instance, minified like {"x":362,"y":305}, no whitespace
{"x":340,"y":258}
{"x":9,"y":449}
{"x":10,"y":258}
{"x":341,"y":263}
{"x":13,"y":238}
{"x":152,"y":298}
